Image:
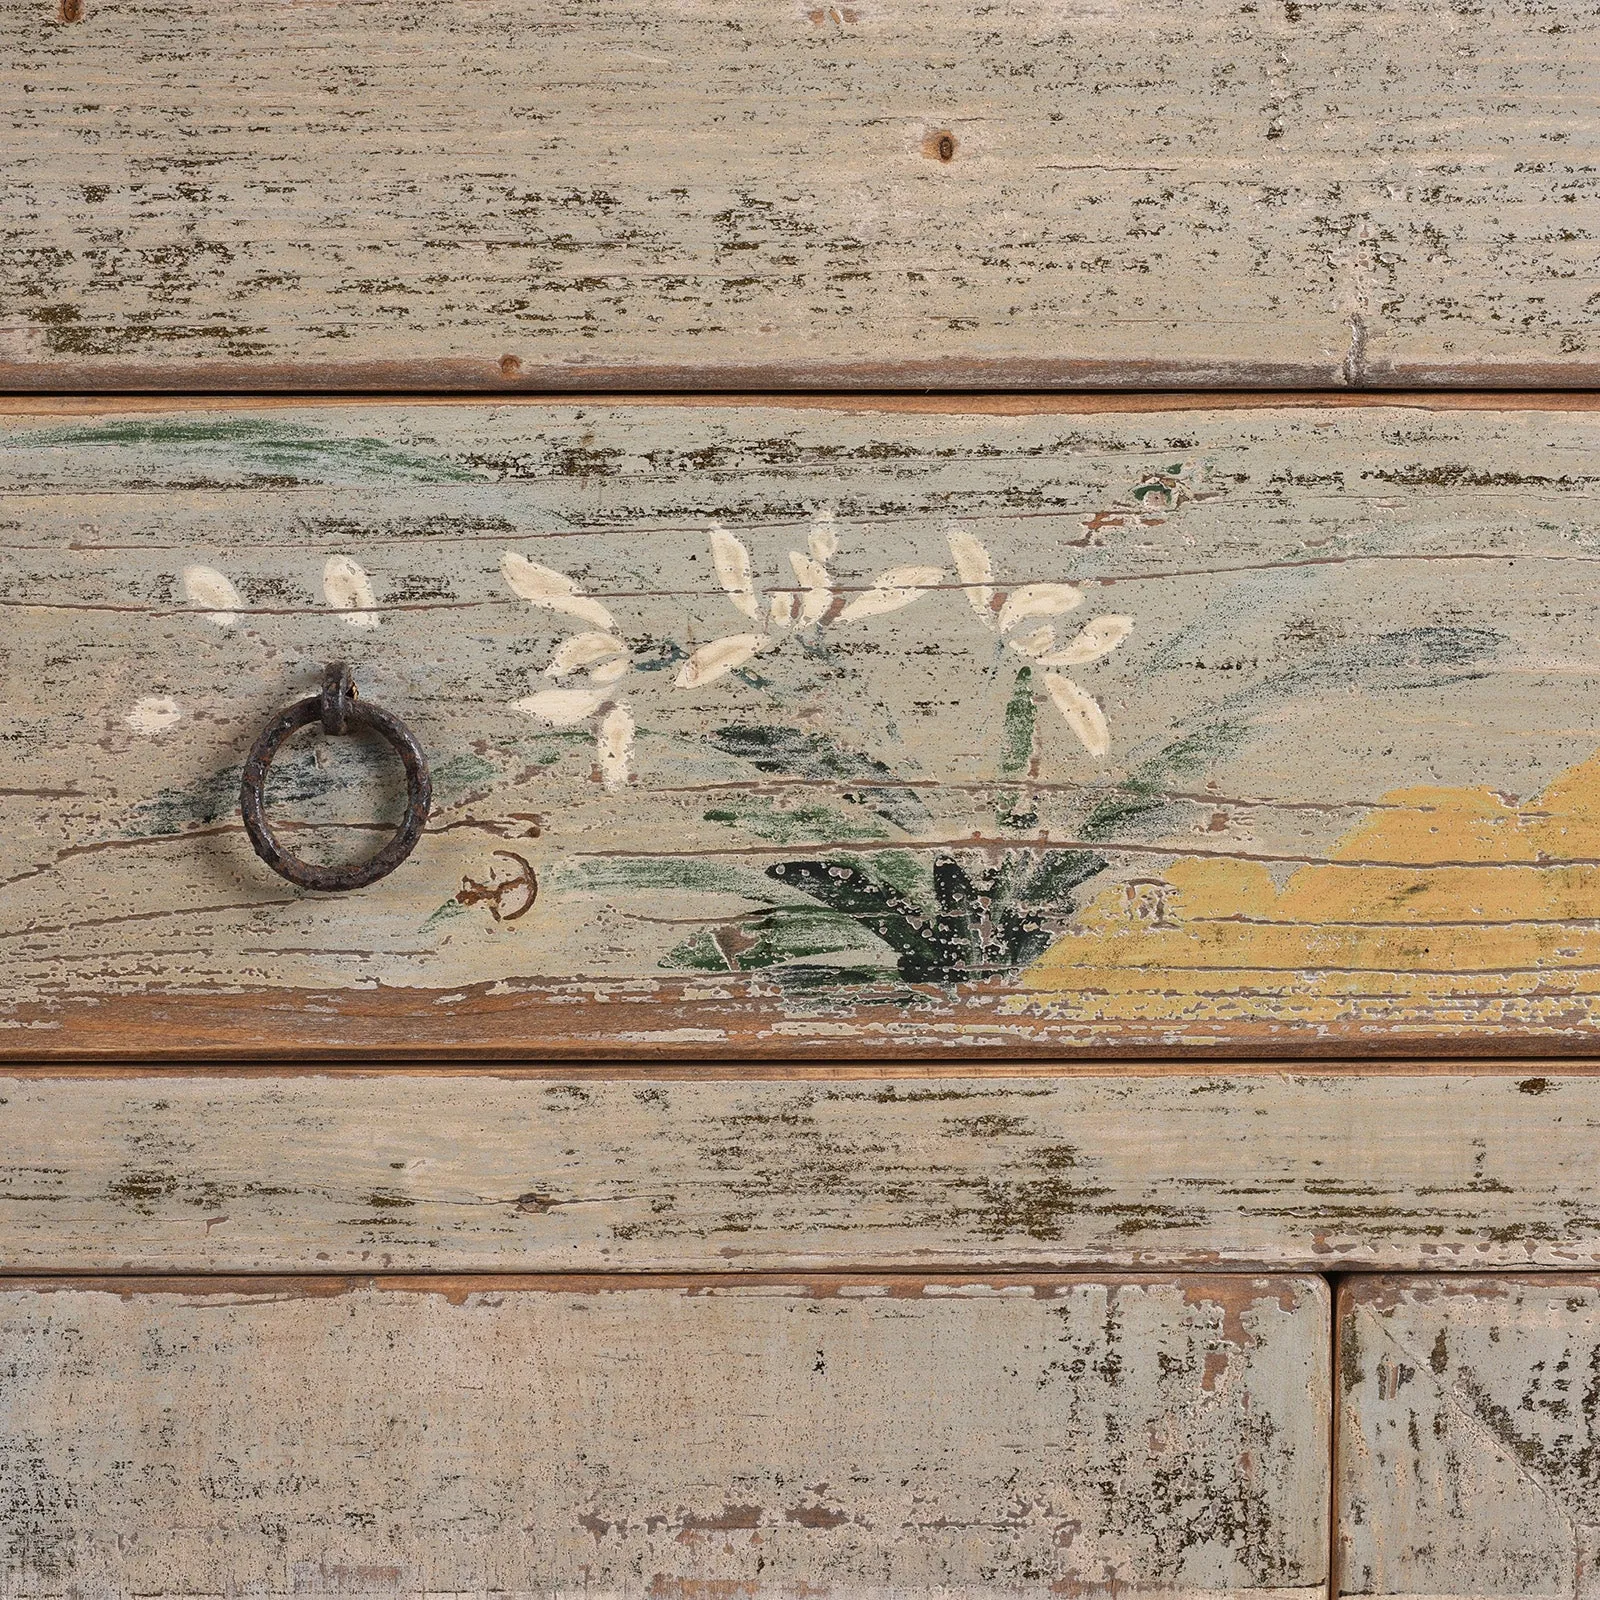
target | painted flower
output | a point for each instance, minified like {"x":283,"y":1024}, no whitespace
{"x":345,"y":587}
{"x":815,"y":601}
{"x":588,"y":667}
{"x":597,"y":659}
{"x":1019,"y":617}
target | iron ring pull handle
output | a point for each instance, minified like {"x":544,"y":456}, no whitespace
{"x":339,"y":711}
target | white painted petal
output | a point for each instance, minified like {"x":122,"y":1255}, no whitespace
{"x":154,"y":714}
{"x":1100,"y":638}
{"x":733,"y":570}
{"x":346,"y":587}
{"x":208,"y":590}
{"x":1034,"y":644}
{"x":1082,"y":712}
{"x":610,"y":671}
{"x":581,"y":650}
{"x":710,"y":661}
{"x":614,"y":747}
{"x":1038,"y":600}
{"x":563,"y":707}
{"x":975,"y":570}
{"x":895,"y":588}
{"x":782,"y":609}
{"x":817,"y":584}
{"x":824,"y":541}
{"x":555,"y":591}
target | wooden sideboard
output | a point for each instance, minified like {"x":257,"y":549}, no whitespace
{"x":999,"y":991}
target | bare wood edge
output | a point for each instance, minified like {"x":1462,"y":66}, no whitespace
{"x":1534,"y":1071}
{"x":749,"y":1026}
{"x":510,"y":374}
{"x":1333,"y":1482}
{"x":872,"y":1284}
{"x":507,"y":374}
{"x":1381,"y":1288}
{"x":86,"y":402}
{"x":741,"y":1023}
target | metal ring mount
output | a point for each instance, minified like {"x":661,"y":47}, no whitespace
{"x":339,"y":711}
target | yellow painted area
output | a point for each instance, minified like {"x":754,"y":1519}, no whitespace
{"x":1447,"y":907}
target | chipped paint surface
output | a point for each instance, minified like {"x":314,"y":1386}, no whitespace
{"x":1154,"y":192}
{"x":858,"y":1437}
{"x":1469,"y":1429}
{"x":788,"y":729}
{"x":191,"y":1171}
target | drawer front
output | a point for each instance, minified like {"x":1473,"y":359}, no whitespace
{"x":1154,"y":193}
{"x":519,"y":1437}
{"x":809,"y":729}
{"x":1468,"y":1425}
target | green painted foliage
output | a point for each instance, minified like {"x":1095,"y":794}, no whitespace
{"x":979,"y":927}
{"x":260,"y":449}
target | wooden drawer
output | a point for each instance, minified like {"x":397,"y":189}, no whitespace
{"x":1469,"y":1409}
{"x":912,"y":729}
{"x":1157,"y":193}
{"x":519,"y":1437}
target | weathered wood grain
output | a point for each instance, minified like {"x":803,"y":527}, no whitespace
{"x":1326,"y":783}
{"x":1145,"y":192}
{"x":515,"y":1437}
{"x":1470,"y":1411}
{"x":218,"y":1171}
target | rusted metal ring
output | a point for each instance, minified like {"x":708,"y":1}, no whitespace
{"x":339,"y":711}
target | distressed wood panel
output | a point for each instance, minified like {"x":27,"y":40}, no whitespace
{"x":207,"y":1171}
{"x":1308,"y":763}
{"x":1146,"y":192}
{"x":1470,"y":1410}
{"x":518,"y":1437}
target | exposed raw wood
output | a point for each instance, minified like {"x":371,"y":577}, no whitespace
{"x":513,"y":1437}
{"x":214,"y":1171}
{"x":771,"y":731}
{"x":1468,"y":1432}
{"x":1152,"y":193}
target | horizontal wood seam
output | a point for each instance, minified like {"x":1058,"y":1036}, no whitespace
{"x":827,"y":1283}
{"x":940,"y":402}
{"x":715,"y":1071}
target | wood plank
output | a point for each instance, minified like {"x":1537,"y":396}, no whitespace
{"x":1154,"y":193}
{"x":516,"y":1437}
{"x":1467,"y":1436}
{"x":229,"y":1171}
{"x":1340,"y":801}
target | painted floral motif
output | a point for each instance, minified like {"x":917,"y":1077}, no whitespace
{"x":1017,"y":615}
{"x":345,"y":587}
{"x":598,"y":659}
{"x":595,"y":661}
{"x":815,"y":602}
